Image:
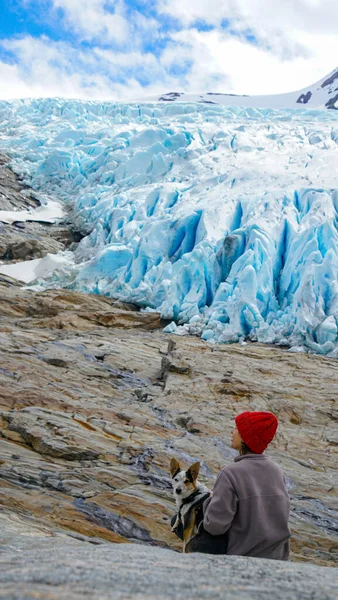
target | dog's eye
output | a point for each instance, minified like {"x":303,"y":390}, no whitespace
{"x":186,"y":481}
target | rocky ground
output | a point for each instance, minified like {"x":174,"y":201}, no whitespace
{"x":59,"y":568}
{"x":95,"y":400}
{"x":28,"y":239}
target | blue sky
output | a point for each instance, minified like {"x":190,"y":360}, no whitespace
{"x":114,"y":49}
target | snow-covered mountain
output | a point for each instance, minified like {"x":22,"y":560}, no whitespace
{"x":323,"y":94}
{"x":223,"y":218}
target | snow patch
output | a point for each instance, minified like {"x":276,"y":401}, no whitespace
{"x":39,"y":268}
{"x":47,"y":213}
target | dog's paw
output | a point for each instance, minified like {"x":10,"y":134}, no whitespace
{"x":175,"y":526}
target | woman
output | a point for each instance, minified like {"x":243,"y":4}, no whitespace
{"x":250,"y":502}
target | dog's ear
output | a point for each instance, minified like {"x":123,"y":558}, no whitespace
{"x":193,"y":471}
{"x":174,"y":467}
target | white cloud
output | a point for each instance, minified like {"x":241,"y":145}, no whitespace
{"x":94,"y":19}
{"x":295,"y":42}
{"x":106,"y":21}
{"x":46,"y":68}
{"x":307,"y":15}
{"x":234,"y":65}
{"x":13,"y":86}
{"x":56,"y":69}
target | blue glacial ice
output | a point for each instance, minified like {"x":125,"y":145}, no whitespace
{"x":224,"y":219}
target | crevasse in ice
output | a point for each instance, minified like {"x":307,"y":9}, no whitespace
{"x":224,"y":219}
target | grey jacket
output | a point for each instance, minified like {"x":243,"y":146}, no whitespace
{"x":251,"y":503}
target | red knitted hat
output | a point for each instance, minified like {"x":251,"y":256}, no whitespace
{"x":257,"y":429}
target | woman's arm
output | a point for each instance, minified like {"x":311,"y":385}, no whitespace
{"x":220,"y":509}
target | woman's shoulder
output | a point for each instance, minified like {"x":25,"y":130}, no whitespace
{"x":249,"y":461}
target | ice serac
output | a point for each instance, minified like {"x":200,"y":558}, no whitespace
{"x":222,"y":218}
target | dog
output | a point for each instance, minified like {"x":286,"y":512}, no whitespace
{"x":190,"y":495}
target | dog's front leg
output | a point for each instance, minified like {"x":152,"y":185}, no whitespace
{"x":188,"y":534}
{"x":176,"y":523}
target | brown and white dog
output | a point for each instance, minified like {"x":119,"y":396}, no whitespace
{"x":189,"y":494}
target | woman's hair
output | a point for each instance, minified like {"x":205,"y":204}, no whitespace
{"x":245,"y":449}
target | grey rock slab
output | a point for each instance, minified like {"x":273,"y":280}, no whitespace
{"x":11,"y":189}
{"x":51,"y":433}
{"x":40,"y":566}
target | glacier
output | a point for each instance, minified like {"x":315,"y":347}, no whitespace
{"x":222,"y":218}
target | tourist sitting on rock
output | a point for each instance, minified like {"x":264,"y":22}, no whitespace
{"x":250,"y":502}
{"x":248,"y":511}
